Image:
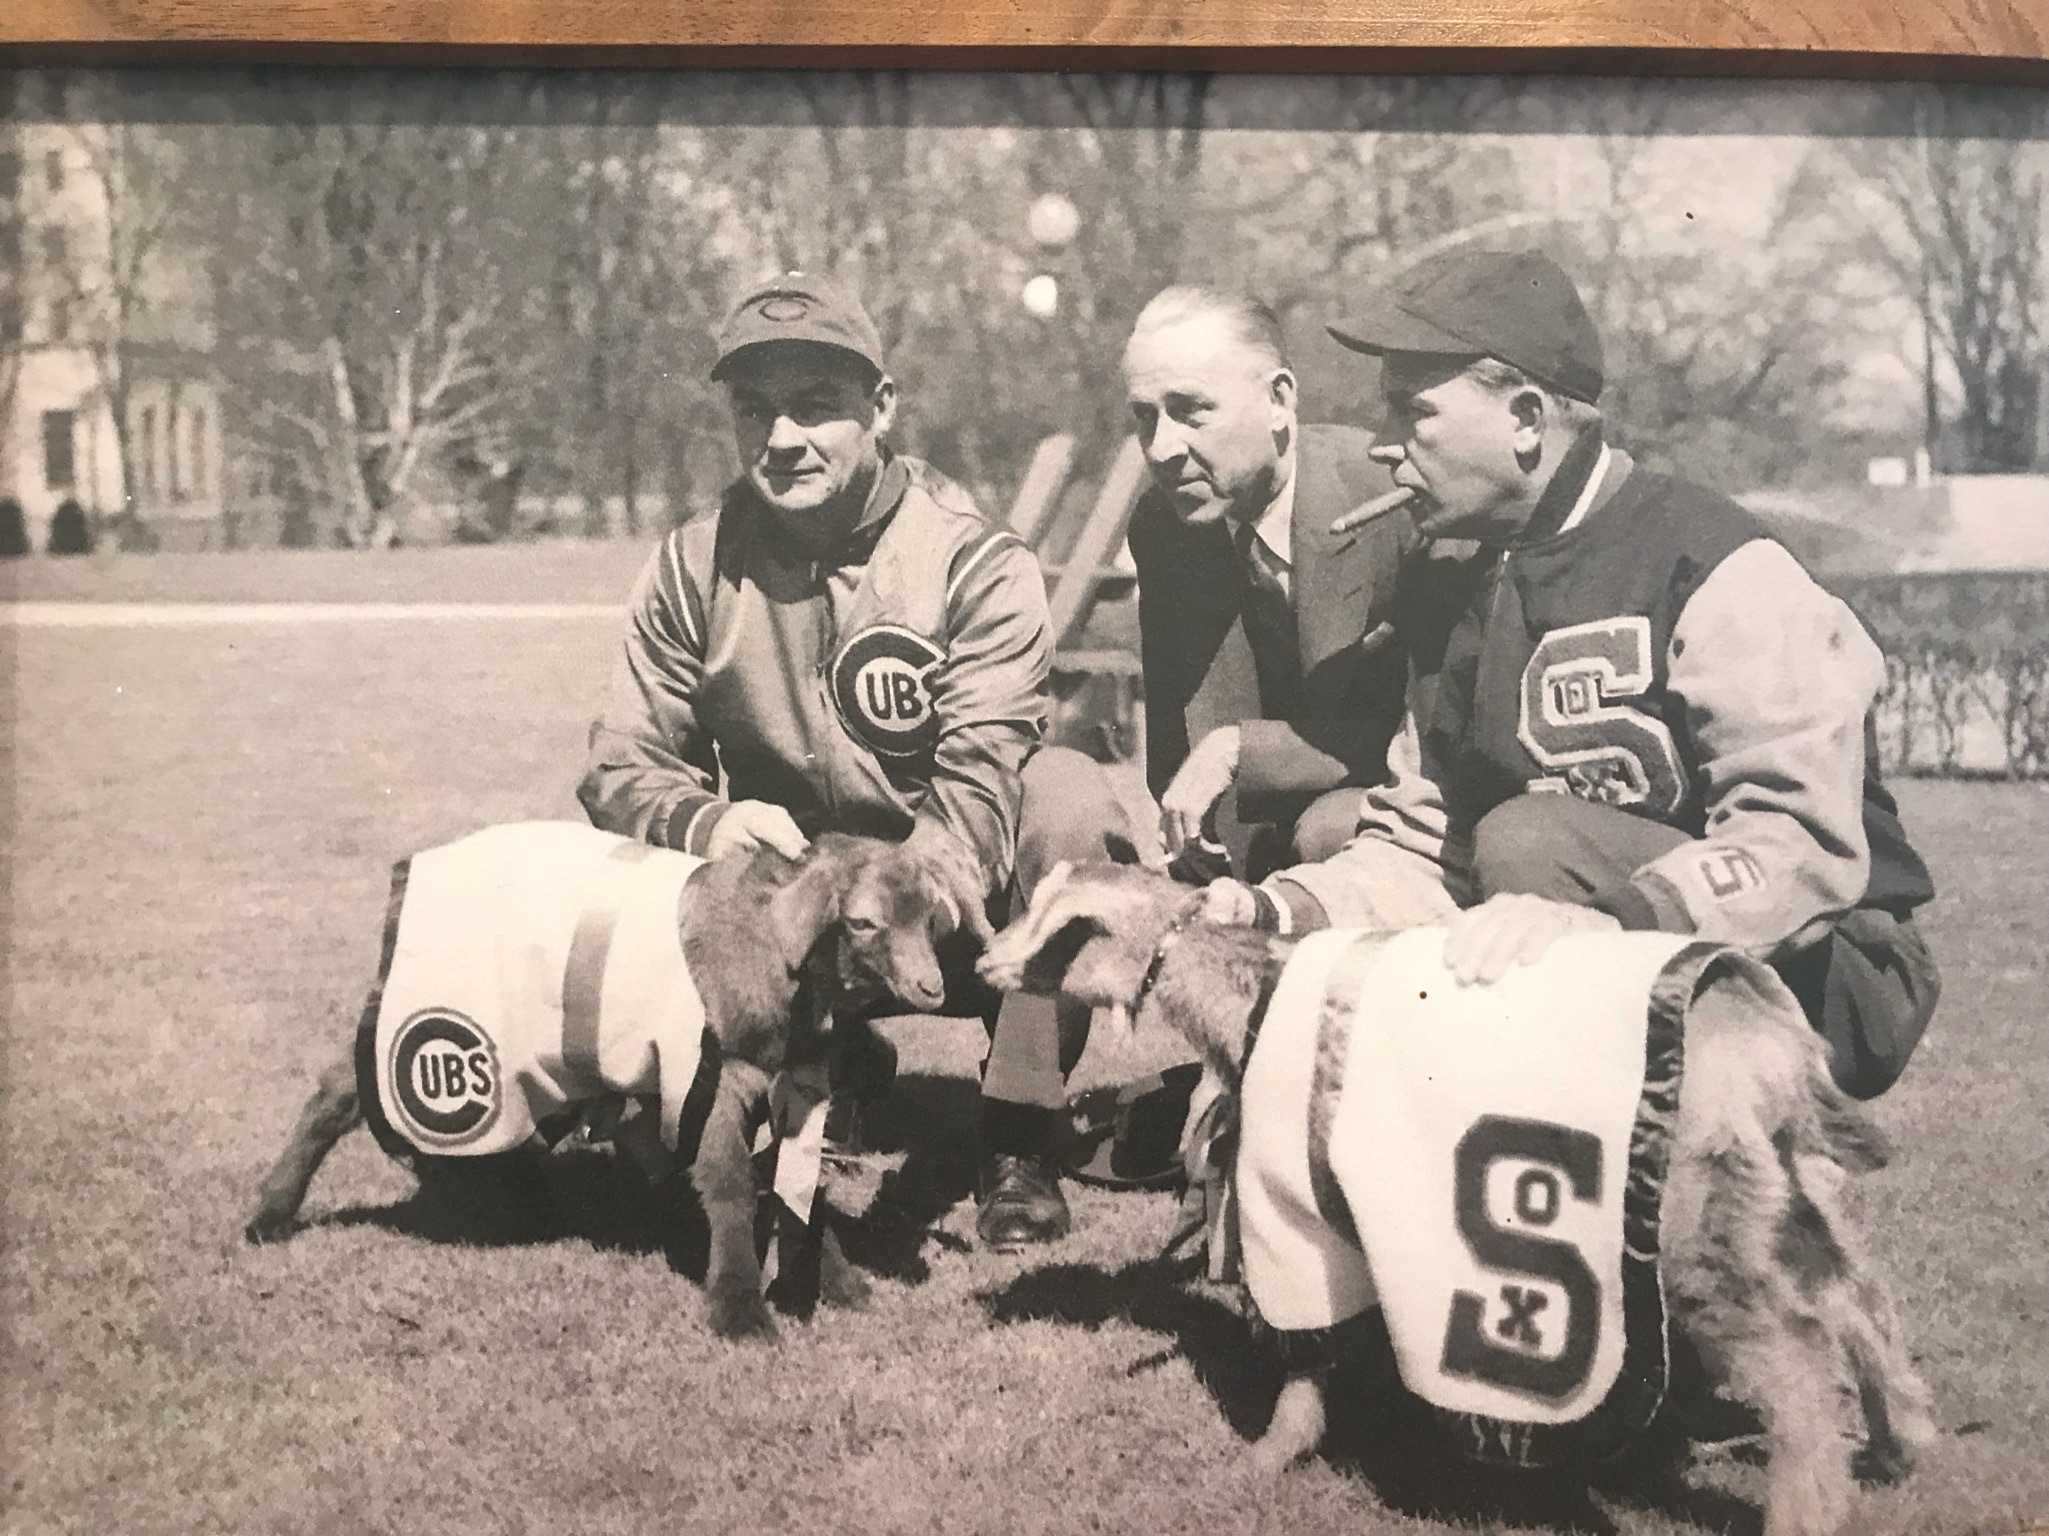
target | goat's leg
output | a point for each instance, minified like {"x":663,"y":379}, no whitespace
{"x":839,"y":1283}
{"x":1297,"y":1426}
{"x":723,"y":1176}
{"x":330,"y":1114}
{"x":1857,"y":1306}
{"x":522,"y":1173}
{"x":1742,"y":1298}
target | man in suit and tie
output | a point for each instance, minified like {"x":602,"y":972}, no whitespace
{"x":1271,"y":685}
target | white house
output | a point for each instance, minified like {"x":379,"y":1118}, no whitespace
{"x":63,"y":365}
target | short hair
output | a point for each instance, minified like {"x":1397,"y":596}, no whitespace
{"x":1505,"y":378}
{"x":1254,"y":324}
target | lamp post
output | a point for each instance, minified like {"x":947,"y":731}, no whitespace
{"x":1053,"y":221}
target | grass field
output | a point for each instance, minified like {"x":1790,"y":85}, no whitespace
{"x":202,"y":821}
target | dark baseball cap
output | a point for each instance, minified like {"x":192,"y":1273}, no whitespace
{"x":799,"y":307}
{"x":1518,"y":306}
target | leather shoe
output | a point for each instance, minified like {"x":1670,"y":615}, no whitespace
{"x":1022,"y":1205}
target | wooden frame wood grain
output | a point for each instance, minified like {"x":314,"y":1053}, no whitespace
{"x":1991,"y":40}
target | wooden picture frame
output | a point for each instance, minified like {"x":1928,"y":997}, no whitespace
{"x":1979,"y":39}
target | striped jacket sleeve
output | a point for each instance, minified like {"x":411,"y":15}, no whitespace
{"x":990,"y":696}
{"x":651,"y":772}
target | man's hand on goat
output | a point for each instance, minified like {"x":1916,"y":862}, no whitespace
{"x":1230,"y":903}
{"x":1512,"y":929}
{"x":751,"y":824}
{"x":1197,"y":786}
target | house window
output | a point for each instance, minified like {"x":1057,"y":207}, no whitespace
{"x":10,"y":174}
{"x":10,"y":244}
{"x":60,"y":317}
{"x":146,"y":455}
{"x":56,"y":249}
{"x":60,"y":471}
{"x":10,"y":317}
{"x":201,"y":483}
{"x":181,"y":453}
{"x":53,"y":170}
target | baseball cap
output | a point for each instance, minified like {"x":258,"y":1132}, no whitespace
{"x":1518,"y":306}
{"x":799,"y":307}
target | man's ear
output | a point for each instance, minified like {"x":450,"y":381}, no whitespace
{"x":1532,"y":415}
{"x":1282,"y":391}
{"x":883,"y":399}
{"x":801,"y":910}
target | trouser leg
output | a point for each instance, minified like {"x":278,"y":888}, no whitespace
{"x":1563,"y":848}
{"x":1068,"y":812}
{"x":1868,"y":986}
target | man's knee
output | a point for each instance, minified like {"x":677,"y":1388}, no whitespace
{"x":1563,"y":847}
{"x":1069,"y":811}
{"x":1526,"y":845}
{"x":1330,"y":822}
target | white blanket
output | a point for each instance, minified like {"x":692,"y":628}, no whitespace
{"x":532,"y":968}
{"x":1463,"y":1156}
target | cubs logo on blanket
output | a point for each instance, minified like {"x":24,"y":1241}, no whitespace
{"x":530,"y":969}
{"x":1486,"y":1163}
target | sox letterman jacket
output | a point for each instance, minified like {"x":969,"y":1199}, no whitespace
{"x":1663,"y":654}
{"x":895,"y":681}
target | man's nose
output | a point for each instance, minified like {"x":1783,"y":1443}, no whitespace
{"x":1385,"y":449}
{"x":1165,"y":445}
{"x":785,"y":437}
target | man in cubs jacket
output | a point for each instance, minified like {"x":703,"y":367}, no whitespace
{"x":1637,"y":708}
{"x":846,"y":644}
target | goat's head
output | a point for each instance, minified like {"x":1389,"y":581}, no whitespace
{"x":1089,"y":935}
{"x":868,"y":914}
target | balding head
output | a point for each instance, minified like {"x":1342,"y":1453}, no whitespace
{"x":1256,"y":328}
{"x":1213,"y":400}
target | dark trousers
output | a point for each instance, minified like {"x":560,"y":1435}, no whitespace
{"x":1868,"y":986}
{"x":1068,"y":812}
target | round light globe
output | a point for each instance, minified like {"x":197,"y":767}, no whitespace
{"x":1053,"y":220}
{"x":1041,"y":297}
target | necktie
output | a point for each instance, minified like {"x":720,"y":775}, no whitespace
{"x":1263,"y":568}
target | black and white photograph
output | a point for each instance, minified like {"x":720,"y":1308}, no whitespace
{"x":925,"y":801}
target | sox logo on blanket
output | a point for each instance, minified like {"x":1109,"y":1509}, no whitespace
{"x":1483,"y":1162}
{"x":530,"y":969}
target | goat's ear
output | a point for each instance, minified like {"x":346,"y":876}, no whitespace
{"x":800,"y":912}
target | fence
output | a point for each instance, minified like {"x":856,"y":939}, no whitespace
{"x":1967,"y":670}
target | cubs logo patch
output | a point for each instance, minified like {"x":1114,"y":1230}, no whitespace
{"x":879,"y":684}
{"x":446,"y":1086}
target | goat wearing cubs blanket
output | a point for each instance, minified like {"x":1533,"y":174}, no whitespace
{"x":1530,"y":1178}
{"x":544,"y":977}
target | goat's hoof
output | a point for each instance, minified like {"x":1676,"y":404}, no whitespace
{"x":1806,"y":1506}
{"x":742,"y":1316}
{"x":844,"y":1287}
{"x":270,"y":1226}
{"x":1271,"y":1456}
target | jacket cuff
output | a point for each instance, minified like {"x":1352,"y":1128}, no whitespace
{"x":1293,"y":910}
{"x":1647,"y":907}
{"x":689,"y":827}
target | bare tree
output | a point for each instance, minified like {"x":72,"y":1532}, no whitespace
{"x":377,"y":260}
{"x":1958,"y":217}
